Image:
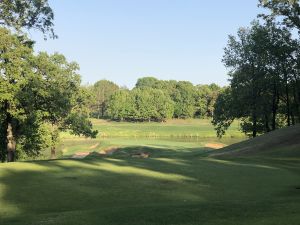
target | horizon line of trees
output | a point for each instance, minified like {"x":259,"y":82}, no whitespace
{"x":153,"y":100}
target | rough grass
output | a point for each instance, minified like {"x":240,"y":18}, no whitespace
{"x":177,"y":185}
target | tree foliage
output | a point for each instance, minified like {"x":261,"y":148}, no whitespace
{"x":36,"y":91}
{"x":27,"y":14}
{"x":102,"y":90}
{"x":157,"y":100}
{"x":264,"y":79}
{"x":206,"y":96}
{"x":140,"y":105}
{"x":289,"y":10}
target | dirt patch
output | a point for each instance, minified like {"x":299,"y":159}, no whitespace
{"x":109,"y":151}
{"x":94,"y":146}
{"x":215,"y":145}
{"x":80,"y":155}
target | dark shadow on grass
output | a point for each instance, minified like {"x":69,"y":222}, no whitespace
{"x":178,"y":187}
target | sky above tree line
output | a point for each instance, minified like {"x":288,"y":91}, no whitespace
{"x":169,"y":39}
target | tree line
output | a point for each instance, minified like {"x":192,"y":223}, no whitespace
{"x":264,"y":64}
{"x":40,"y":94}
{"x":153,"y":100}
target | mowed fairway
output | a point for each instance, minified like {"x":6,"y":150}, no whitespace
{"x":176,"y":185}
{"x":172,"y":128}
{"x":174,"y":134}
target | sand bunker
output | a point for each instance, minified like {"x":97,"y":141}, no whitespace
{"x":80,"y":155}
{"x":108,"y":151}
{"x":94,"y":146}
{"x":215,"y":145}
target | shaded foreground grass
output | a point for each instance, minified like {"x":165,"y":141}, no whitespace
{"x":178,"y":186}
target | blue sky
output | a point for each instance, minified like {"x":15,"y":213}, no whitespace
{"x":123,"y":40}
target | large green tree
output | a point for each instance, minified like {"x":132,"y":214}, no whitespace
{"x":37,"y":90}
{"x":15,"y":72}
{"x":263,"y":79}
{"x":152,"y":105}
{"x":121,"y":106}
{"x":184,"y":98}
{"x":60,"y":97}
{"x":102,"y":90}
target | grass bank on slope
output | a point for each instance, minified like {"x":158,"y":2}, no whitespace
{"x":282,"y":142}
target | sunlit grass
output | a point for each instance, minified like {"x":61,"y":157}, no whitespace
{"x":172,"y":128}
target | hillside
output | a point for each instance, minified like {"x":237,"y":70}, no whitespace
{"x":282,"y":142}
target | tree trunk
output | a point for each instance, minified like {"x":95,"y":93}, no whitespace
{"x":297,"y":93}
{"x":274,"y":111}
{"x":254,"y":102}
{"x":288,"y":113}
{"x":102,"y":110}
{"x":11,"y":142}
{"x":254,"y":123}
{"x":99,"y":110}
{"x":53,"y":152}
{"x":267,"y":123}
{"x":53,"y":140}
{"x":254,"y":132}
{"x":275,"y":102}
{"x":297,"y":106}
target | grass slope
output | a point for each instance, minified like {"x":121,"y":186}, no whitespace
{"x":285,"y":141}
{"x":175,"y":186}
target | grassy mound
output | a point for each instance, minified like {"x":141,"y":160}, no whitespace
{"x":282,"y":142}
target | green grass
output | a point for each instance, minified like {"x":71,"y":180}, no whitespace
{"x":193,"y":133}
{"x":282,"y":142}
{"x":178,"y":185}
{"x":71,"y":146}
{"x":172,"y":128}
